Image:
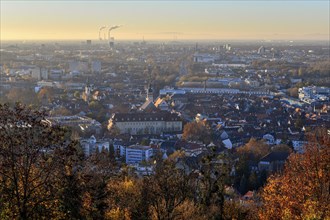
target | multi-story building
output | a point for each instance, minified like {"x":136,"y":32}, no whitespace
{"x":91,"y":145}
{"x":312,"y":94}
{"x":145,"y":123}
{"x":82,"y":123}
{"x":252,"y":83}
{"x":96,"y":66}
{"x":138,"y":153}
{"x":79,"y":66}
{"x":204,"y":58}
{"x":36,"y":73}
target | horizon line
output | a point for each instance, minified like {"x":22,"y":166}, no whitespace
{"x":173,"y":40}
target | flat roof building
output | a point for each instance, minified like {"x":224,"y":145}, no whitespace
{"x":137,"y":153}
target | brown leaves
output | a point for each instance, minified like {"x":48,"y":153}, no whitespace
{"x":302,"y":191}
{"x":28,"y":162}
{"x":197,"y":131}
{"x":255,"y":148}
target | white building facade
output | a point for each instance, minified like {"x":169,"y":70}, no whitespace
{"x":91,"y":145}
{"x":136,"y":154}
{"x":313,"y":94}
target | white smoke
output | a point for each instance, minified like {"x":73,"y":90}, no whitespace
{"x":112,"y":28}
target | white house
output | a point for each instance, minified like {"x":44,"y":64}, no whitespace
{"x":90,"y":145}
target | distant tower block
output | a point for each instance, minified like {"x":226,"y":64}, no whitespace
{"x":112,"y":42}
{"x":89,"y":42}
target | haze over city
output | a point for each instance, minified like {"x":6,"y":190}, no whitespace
{"x":166,"y":20}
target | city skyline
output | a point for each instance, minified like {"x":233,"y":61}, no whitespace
{"x":166,"y":20}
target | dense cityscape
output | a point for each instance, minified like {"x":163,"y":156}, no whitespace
{"x":148,"y":101}
{"x":164,"y":129}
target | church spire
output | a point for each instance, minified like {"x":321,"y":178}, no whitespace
{"x":150,"y":91}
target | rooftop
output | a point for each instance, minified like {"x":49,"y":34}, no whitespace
{"x":159,"y":116}
{"x":139,"y":147}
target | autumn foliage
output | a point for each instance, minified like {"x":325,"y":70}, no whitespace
{"x":254,"y":149}
{"x":197,"y":131}
{"x":30,"y":165}
{"x":302,"y":191}
{"x":45,"y":175}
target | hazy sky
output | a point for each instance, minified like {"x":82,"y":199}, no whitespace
{"x":155,"y":19}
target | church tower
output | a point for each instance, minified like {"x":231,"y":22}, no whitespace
{"x":88,"y":90}
{"x":150,"y":93}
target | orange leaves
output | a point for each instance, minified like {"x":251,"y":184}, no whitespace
{"x":197,"y":131}
{"x":302,"y":191}
{"x":257,"y":148}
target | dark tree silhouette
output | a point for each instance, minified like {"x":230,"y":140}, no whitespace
{"x":29,"y":174}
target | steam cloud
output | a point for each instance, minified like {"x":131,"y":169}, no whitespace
{"x":100,"y":30}
{"x":112,"y":28}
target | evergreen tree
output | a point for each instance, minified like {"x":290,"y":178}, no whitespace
{"x":243,"y":185}
{"x":253,"y":183}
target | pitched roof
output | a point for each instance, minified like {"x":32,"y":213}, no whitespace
{"x":159,"y":101}
{"x":159,"y":116}
{"x":148,"y":105}
{"x":191,"y":162}
{"x":248,"y":195}
{"x":168,"y":144}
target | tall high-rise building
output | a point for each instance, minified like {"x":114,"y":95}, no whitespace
{"x":112,"y":42}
